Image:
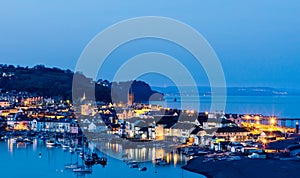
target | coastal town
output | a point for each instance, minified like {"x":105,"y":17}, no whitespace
{"x":139,"y":121}
{"x":211,"y":136}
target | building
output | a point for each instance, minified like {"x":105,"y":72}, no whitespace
{"x":97,"y":127}
{"x":236,"y":118}
{"x":164,"y":126}
{"x":231,"y":132}
{"x":4,"y":104}
{"x":130,"y":99}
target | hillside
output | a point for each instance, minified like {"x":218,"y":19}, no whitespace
{"x":55,"y":82}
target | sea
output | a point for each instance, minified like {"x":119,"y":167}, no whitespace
{"x":21,"y":160}
{"x":280,"y":106}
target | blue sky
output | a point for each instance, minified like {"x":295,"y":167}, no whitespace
{"x":257,"y":42}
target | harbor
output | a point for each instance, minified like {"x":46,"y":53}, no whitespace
{"x":140,"y":139}
{"x":146,"y":89}
{"x":37,"y":159}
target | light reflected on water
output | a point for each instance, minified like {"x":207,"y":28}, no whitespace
{"x":47,"y":162}
{"x":143,"y":154}
{"x":34,"y":145}
{"x":10,"y":146}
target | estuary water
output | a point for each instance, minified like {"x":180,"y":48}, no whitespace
{"x":20,"y":160}
{"x":281,"y":106}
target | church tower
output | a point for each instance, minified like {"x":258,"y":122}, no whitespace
{"x":83,"y":97}
{"x":130,"y":98}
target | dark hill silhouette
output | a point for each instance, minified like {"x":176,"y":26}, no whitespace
{"x":55,"y":82}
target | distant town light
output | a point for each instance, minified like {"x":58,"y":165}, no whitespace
{"x":273,"y":121}
{"x":264,"y":141}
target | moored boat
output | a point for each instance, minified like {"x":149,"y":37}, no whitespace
{"x":50,"y":143}
{"x":134,"y":165}
{"x":65,"y":146}
{"x":102,"y":161}
{"x":83,"y":170}
{"x":72,"y":149}
{"x":72,"y":166}
{"x":143,"y":168}
{"x":161,"y":162}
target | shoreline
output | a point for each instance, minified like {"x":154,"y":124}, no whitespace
{"x":246,"y":168}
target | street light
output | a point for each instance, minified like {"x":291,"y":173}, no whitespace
{"x":257,"y":119}
{"x":273,"y":121}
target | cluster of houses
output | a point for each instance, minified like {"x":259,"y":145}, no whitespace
{"x":31,"y":114}
{"x":145,"y":122}
{"x":13,"y":98}
{"x":161,"y":124}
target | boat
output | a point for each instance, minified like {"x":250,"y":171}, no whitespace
{"x":3,"y":138}
{"x":161,"y":162}
{"x":72,"y":150}
{"x":89,"y":161}
{"x":202,"y":152}
{"x":102,"y":161}
{"x":65,"y":146}
{"x":83,"y":170}
{"x":143,"y":168}
{"x":72,"y":166}
{"x":78,"y":149}
{"x":27,"y":140}
{"x":126,"y":160}
{"x":50,"y":143}
{"x":131,"y":162}
{"x":18,"y":140}
{"x":134,"y":165}
{"x":95,"y":156}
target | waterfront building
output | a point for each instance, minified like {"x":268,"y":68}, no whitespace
{"x":164,"y":126}
{"x":137,"y":127}
{"x":54,"y":125}
{"x":230,"y":131}
{"x":197,"y":135}
{"x":182,"y":130}
{"x":185,"y":125}
{"x":35,"y":125}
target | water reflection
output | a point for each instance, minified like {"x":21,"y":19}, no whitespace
{"x":10,"y":146}
{"x":144,"y":154}
{"x":50,"y":163}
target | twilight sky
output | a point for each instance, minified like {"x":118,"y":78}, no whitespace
{"x":257,"y":42}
